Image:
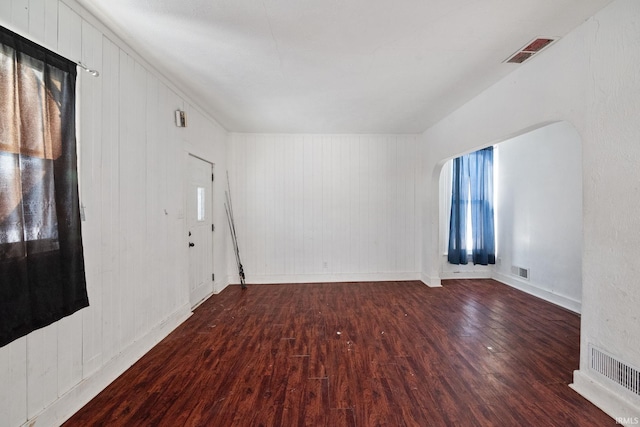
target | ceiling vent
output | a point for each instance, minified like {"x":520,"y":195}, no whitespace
{"x":530,"y":49}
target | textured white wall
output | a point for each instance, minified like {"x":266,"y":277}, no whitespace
{"x":325,"y":207}
{"x":590,"y":79}
{"x":611,"y":267}
{"x":539,"y":213}
{"x":132,"y":161}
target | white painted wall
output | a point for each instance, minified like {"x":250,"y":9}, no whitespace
{"x":538,"y":209}
{"x":589,"y":79}
{"x":325,"y":207}
{"x":538,"y":215}
{"x":132,"y":161}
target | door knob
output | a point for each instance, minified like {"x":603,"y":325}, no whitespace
{"x":191,"y":244}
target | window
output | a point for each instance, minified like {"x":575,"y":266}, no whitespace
{"x":41,"y":261}
{"x":201,"y":205}
{"x":471,"y":227}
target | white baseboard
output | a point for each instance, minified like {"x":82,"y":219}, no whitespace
{"x":612,"y":403}
{"x":221,"y":285}
{"x":561,"y":300}
{"x":72,"y":401}
{"x":464,"y":271}
{"x":201,"y":295}
{"x":467,"y":274}
{"x":217,"y":290}
{"x":327,"y":278}
{"x":430,"y":281}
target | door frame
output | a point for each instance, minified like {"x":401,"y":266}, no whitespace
{"x":187,"y":177}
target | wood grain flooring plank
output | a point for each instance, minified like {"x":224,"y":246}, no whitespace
{"x":472,"y":353}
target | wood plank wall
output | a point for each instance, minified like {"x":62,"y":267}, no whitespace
{"x":326,"y":207}
{"x":132,"y":188}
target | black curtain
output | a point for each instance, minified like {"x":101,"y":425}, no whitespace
{"x":42,"y":276}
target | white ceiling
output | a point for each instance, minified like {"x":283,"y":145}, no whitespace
{"x":335,"y":66}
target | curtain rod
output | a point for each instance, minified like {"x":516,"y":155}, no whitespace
{"x":94,"y":73}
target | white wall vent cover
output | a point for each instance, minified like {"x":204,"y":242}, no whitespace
{"x":534,"y":46}
{"x":523,"y":273}
{"x":619,"y":372}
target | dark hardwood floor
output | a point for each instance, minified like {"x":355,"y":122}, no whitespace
{"x":472,"y":353}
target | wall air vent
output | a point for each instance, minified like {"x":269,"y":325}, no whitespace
{"x":530,"y":49}
{"x":523,"y":273}
{"x":617,"y":371}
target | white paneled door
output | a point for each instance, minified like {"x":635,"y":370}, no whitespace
{"x":200,"y":229}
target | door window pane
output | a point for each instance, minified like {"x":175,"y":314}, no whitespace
{"x":201,"y":205}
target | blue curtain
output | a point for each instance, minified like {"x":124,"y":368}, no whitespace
{"x":481,"y":181}
{"x":459,"y":202}
{"x":472,"y":183}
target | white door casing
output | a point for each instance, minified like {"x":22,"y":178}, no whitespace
{"x":200,"y":229}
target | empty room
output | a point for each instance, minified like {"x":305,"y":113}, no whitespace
{"x":319,"y":213}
